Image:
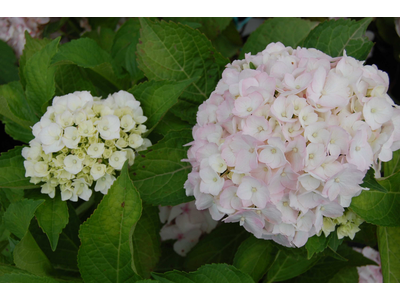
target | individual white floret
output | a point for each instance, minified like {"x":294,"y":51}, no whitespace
{"x":71,"y":137}
{"x":104,"y":183}
{"x":73,"y":164}
{"x":98,"y":170}
{"x":117,"y":160}
{"x":109,"y":127}
{"x":96,"y":150}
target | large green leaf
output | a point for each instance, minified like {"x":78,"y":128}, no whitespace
{"x":86,"y":53}
{"x":289,"y":263}
{"x":289,"y":31}
{"x":157,"y":97}
{"x":8,"y":67}
{"x":39,"y":76}
{"x":215,"y":273}
{"x":334,"y":36}
{"x":254,"y":256}
{"x":10,"y":274}
{"x":170,"y":123}
{"x":210,"y":26}
{"x":104,"y":37}
{"x":31,"y":47}
{"x":370,"y":182}
{"x":146,"y":241}
{"x":65,"y":257}
{"x":316,"y":244}
{"x":52,"y":217}
{"x":28,"y":256}
{"x":12,"y":170}
{"x":170,"y":51}
{"x":159,"y":173}
{"x":123,"y":49}
{"x":380,"y":208}
{"x":169,"y":259}
{"x":389,"y":250}
{"x":105,"y":252}
{"x":219,"y":246}
{"x":345,"y":275}
{"x":19,"y":215}
{"x":16,"y":131}
{"x":229,"y":42}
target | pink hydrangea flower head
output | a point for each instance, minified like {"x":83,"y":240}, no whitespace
{"x":283,"y":148}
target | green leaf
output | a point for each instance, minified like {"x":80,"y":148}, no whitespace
{"x":146,"y":241}
{"x":289,"y":31}
{"x":345,"y":275}
{"x":103,"y":37}
{"x":389,"y":250}
{"x":185,"y":111}
{"x":317,"y":244}
{"x":12,"y":170}
{"x":289,"y":263}
{"x":10,"y":274}
{"x":254,"y":257}
{"x":31,"y":47}
{"x":377,"y":207}
{"x":39,"y":75}
{"x":334,"y":36}
{"x":210,"y":26}
{"x":103,"y":22}
{"x":65,"y":257}
{"x":8,"y":67}
{"x":170,"y":123}
{"x":159,"y":173}
{"x":229,"y":42}
{"x":169,"y":259}
{"x":71,"y":78}
{"x":215,"y":273}
{"x":219,"y":246}
{"x":157,"y":97}
{"x":367,"y":235}
{"x":393,"y":166}
{"x":16,"y":131}
{"x":370,"y":182}
{"x":86,"y":53}
{"x":106,"y":237}
{"x":170,"y":51}
{"x":28,"y":256}
{"x":52,"y":216}
{"x":19,"y":215}
{"x":14,"y":105}
{"x":123,"y":49}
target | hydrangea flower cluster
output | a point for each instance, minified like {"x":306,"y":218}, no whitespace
{"x":82,"y":140}
{"x":286,"y":139}
{"x":185,"y":224}
{"x":370,"y":273}
{"x":12,"y":31}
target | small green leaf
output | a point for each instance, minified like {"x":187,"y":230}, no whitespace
{"x":254,"y":257}
{"x":106,"y":237}
{"x":71,"y":78}
{"x":393,"y":166}
{"x":389,"y":250}
{"x":8,"y":67}
{"x":219,"y":246}
{"x":370,"y":182}
{"x":39,"y":76}
{"x":86,"y":53}
{"x":378,"y":207}
{"x":19,"y":215}
{"x":334,"y":36}
{"x":289,"y":31}
{"x":12,"y":170}
{"x":104,"y":37}
{"x":28,"y":256}
{"x":146,"y":241}
{"x":215,"y":273}
{"x":288,"y":264}
{"x":367,"y":235}
{"x":159,"y":173}
{"x":157,"y":97}
{"x":52,"y":216}
{"x":210,"y":26}
{"x":316,"y":244}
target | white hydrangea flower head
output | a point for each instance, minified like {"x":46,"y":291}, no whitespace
{"x":185,"y":224}
{"x":81,"y":145}
{"x":283,"y":143}
{"x":12,"y":31}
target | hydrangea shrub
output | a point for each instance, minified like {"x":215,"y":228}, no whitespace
{"x":191,"y":153}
